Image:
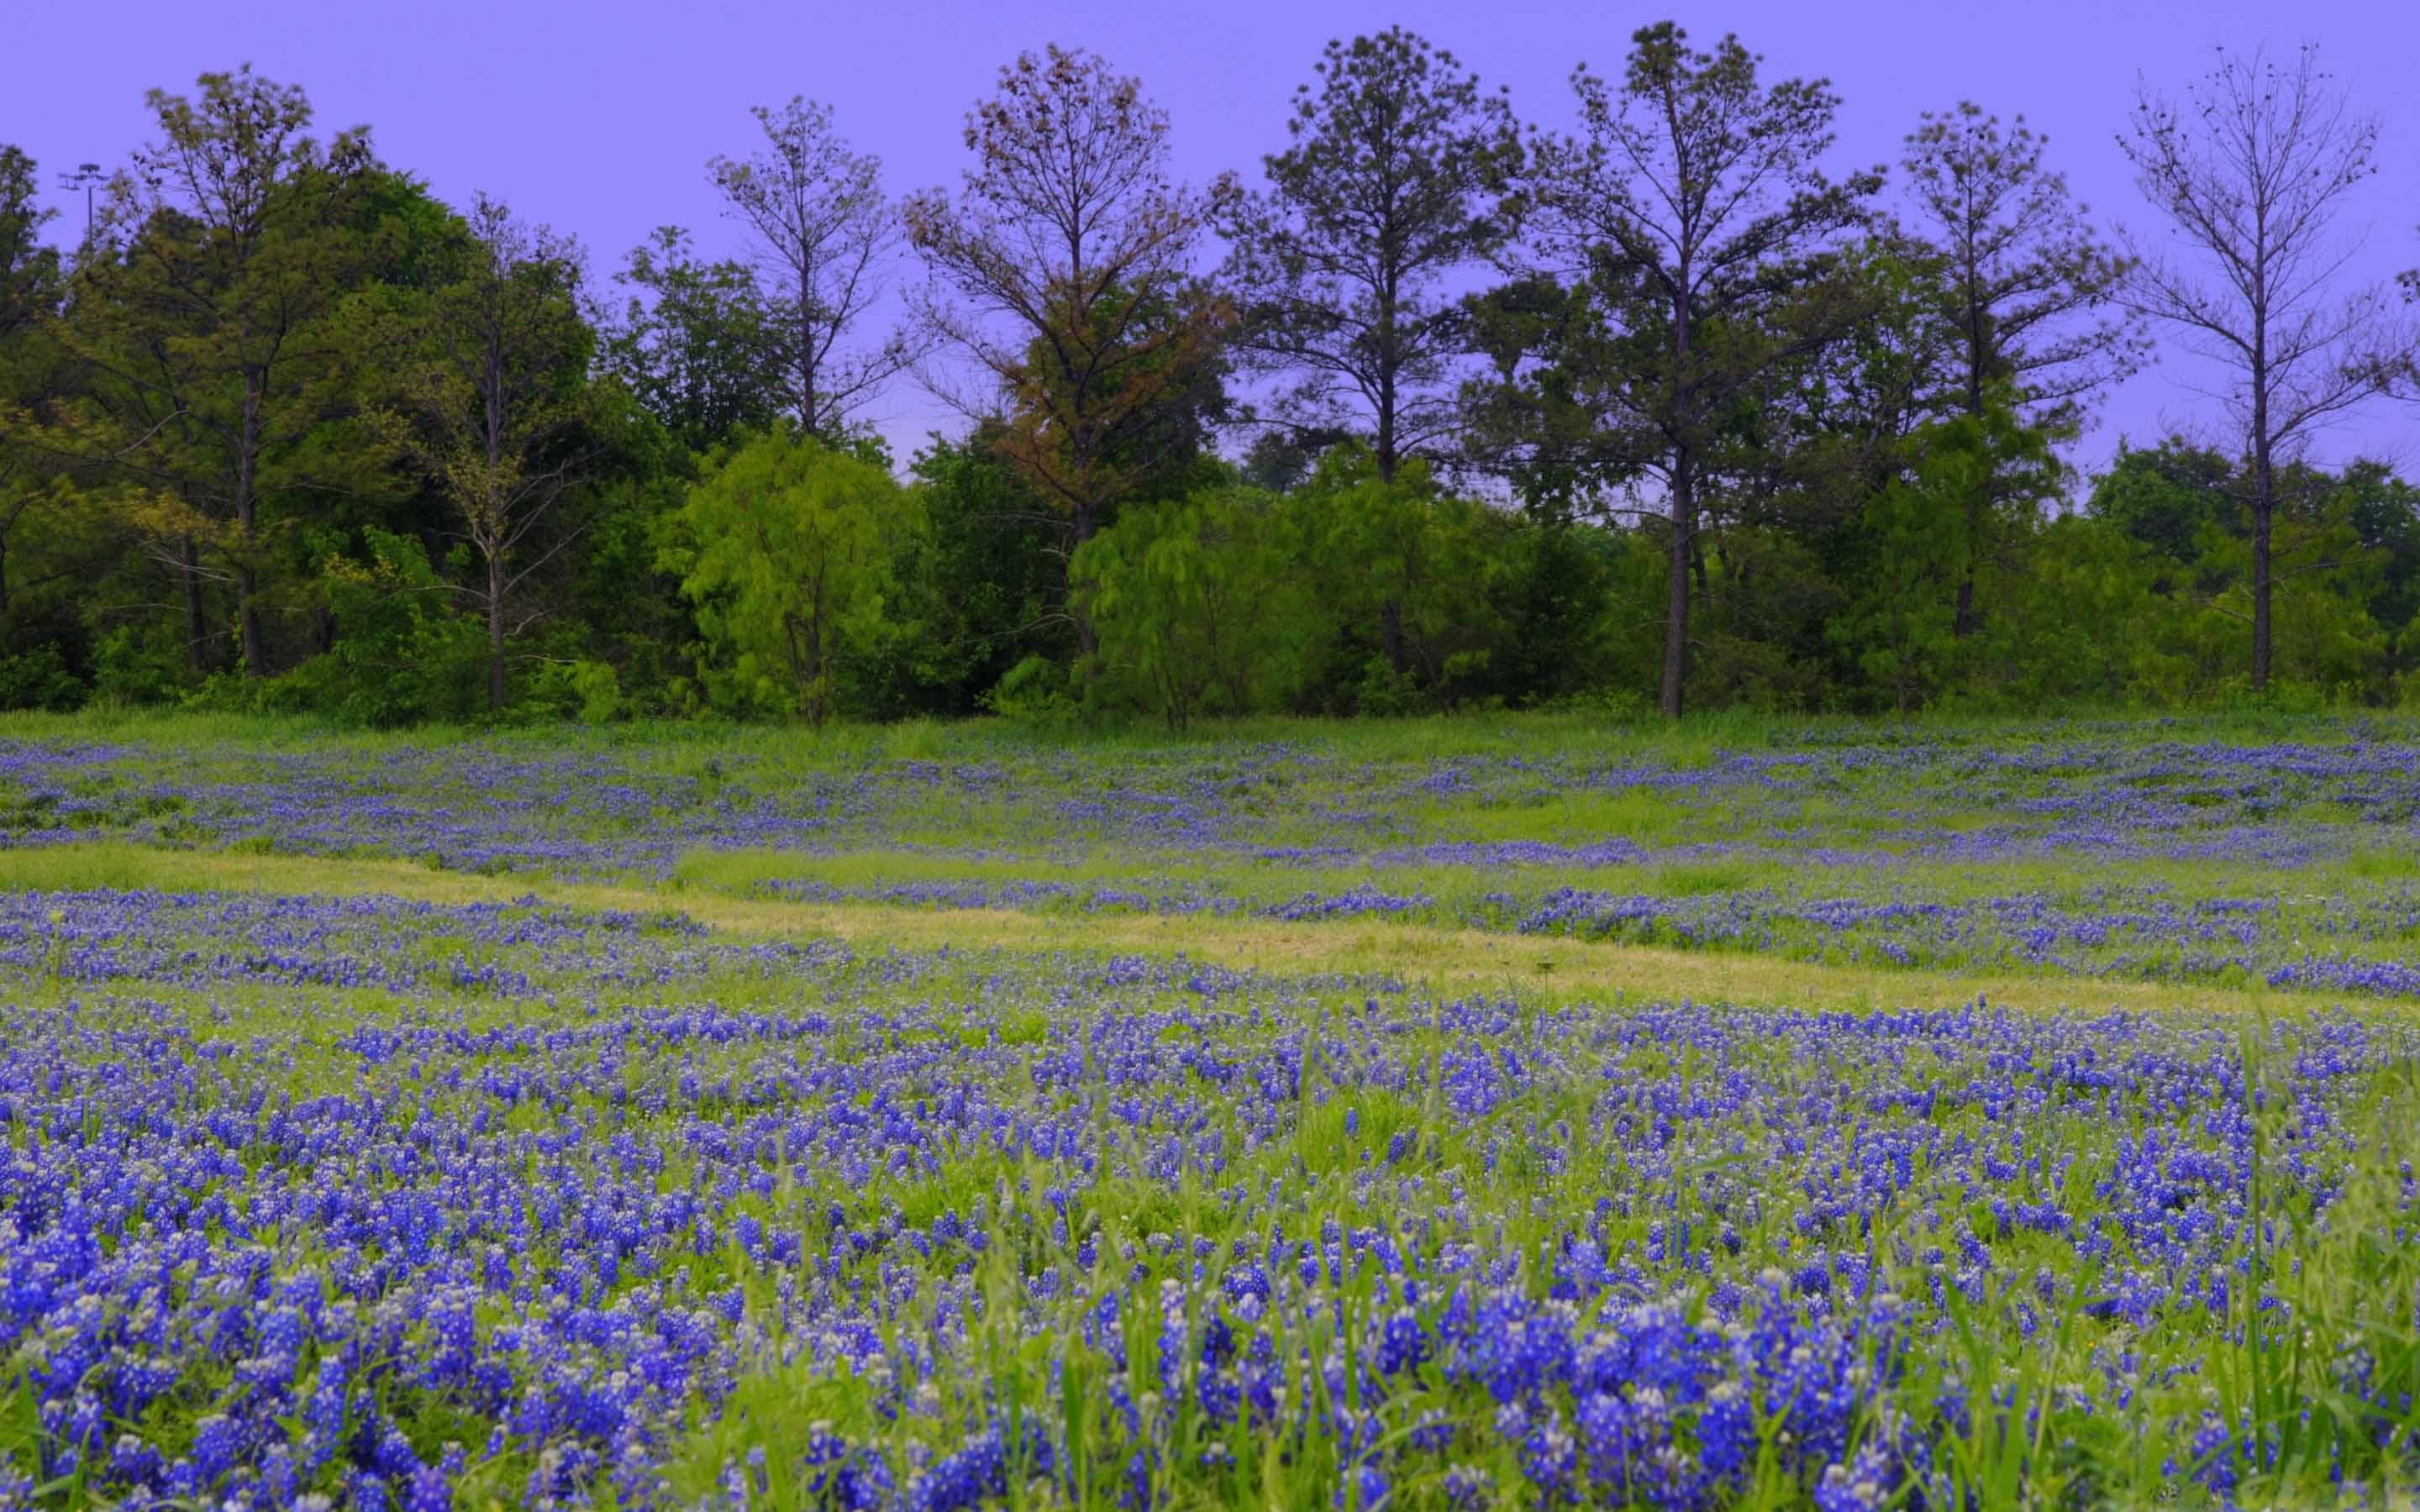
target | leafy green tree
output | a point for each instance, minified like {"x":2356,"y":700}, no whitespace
{"x":209,"y":322}
{"x":1552,"y":585}
{"x":2384,"y":510}
{"x":980,"y":586}
{"x":31,"y":484}
{"x":1398,"y":178}
{"x":1978,"y":474}
{"x":404,"y":658}
{"x":1694,"y":202}
{"x":1397,"y":557}
{"x":29,"y":271}
{"x":1196,"y":605}
{"x":786,"y":549}
{"x":2168,"y":496}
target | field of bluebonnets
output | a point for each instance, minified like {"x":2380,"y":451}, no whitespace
{"x":1503,"y":1114}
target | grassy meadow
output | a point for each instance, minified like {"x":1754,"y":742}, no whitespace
{"x":1510,"y":1112}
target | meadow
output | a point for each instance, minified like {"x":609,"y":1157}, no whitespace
{"x":1488,"y":1113}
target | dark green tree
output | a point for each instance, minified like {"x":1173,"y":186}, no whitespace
{"x":1693,"y":205}
{"x":209,"y":324}
{"x":693,"y":343}
{"x":1397,"y":179}
{"x":490,"y":398}
{"x":29,"y":296}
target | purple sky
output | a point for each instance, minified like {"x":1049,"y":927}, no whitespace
{"x":598,"y":117}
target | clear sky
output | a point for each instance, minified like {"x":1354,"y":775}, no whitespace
{"x":598,"y":117}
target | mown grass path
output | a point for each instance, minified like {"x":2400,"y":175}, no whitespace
{"x":1447,"y":959}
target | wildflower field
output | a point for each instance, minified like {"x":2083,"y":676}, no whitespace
{"x":1504,"y":1114}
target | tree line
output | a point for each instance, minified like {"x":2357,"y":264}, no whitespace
{"x":1441,"y":411}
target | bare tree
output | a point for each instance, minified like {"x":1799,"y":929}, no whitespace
{"x":829,"y":238}
{"x":1063,"y":272}
{"x":492,"y":401}
{"x":2252,"y":172}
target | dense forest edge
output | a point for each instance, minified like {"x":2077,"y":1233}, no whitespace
{"x":1440,"y":414}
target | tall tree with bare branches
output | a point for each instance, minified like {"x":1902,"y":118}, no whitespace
{"x":829,"y":238}
{"x":1064,"y":272}
{"x":492,"y":398}
{"x":2252,"y":172}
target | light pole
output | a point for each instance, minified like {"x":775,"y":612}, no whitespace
{"x":84,"y":177}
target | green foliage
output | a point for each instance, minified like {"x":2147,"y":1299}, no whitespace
{"x":785,"y":549}
{"x":38,"y":678}
{"x":588,"y":691}
{"x":401,"y":654}
{"x":292,"y":433}
{"x":1396,"y":564}
{"x":1194,"y":606}
{"x":1927,"y":538}
{"x":691,"y":344}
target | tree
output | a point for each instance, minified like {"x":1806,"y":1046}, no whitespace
{"x":29,"y":270}
{"x":493,"y":401}
{"x":981,"y":584}
{"x":1398,"y":568}
{"x":2251,"y":175}
{"x":29,"y":294}
{"x":1196,"y":602}
{"x":786,"y":549}
{"x":828,"y":237}
{"x":1397,"y":179}
{"x":1071,"y":234}
{"x":1693,"y":202}
{"x":211,"y":331}
{"x":693,"y":344}
{"x":2033,"y":292}
{"x":2029,"y":283}
{"x":1976,"y":474}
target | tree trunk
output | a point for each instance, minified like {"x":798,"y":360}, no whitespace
{"x":810,"y":416}
{"x":1962,"y":622}
{"x":1088,"y":644}
{"x":2263,"y":514}
{"x":1684,"y":502}
{"x":197,"y":628}
{"x":1676,"y":609}
{"x":1390,"y":634}
{"x":495,"y":633}
{"x":247,"y":513}
{"x":256,"y":652}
